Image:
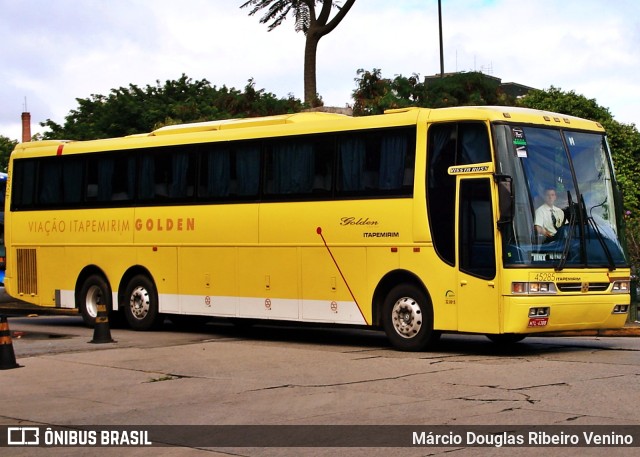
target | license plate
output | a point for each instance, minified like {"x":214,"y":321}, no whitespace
{"x":538,"y":321}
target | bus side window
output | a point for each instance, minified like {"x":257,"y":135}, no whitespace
{"x":215,"y":172}
{"x":473,"y":144}
{"x":450,"y":144}
{"x":477,"y":251}
{"x":23,"y":184}
{"x":291,"y":167}
{"x":73,"y":169}
{"x":247,"y":171}
{"x":50,"y":183}
{"x":181,"y":174}
{"x":393,"y":152}
{"x":441,"y":187}
{"x":352,"y":150}
{"x":110,"y":178}
{"x":376,"y":163}
{"x":147,"y":177}
{"x":229,"y":171}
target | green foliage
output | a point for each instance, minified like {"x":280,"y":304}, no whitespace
{"x":6,"y":146}
{"x":374,"y":94}
{"x":554,"y":99}
{"x":462,"y":89}
{"x":633,"y":238}
{"x":278,"y":10}
{"x":130,"y":110}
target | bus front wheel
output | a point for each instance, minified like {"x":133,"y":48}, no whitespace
{"x":141,"y":304}
{"x":94,"y":292}
{"x":408,"y":318}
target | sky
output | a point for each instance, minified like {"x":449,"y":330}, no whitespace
{"x":55,"y":51}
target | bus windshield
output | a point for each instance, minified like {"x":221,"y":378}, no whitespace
{"x":564,"y":199}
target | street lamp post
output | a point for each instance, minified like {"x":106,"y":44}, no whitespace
{"x":440,"y":28}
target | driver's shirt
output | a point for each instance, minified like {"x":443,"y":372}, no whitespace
{"x":549,"y":217}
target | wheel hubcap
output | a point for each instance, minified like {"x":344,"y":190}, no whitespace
{"x":139,"y":303}
{"x":407,"y":317}
{"x":94,"y":298}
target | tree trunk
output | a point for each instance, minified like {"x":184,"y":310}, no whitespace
{"x":318,"y":27}
{"x":310,"y":86}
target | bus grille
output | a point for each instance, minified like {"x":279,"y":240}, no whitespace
{"x":579,"y":287}
{"x":27,"y":271}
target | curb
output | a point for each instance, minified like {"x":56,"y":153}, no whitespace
{"x":629,"y":330}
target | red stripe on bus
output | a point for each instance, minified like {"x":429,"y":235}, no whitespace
{"x":319,"y":232}
{"x":59,"y":153}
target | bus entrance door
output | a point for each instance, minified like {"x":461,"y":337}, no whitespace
{"x":478,"y":296}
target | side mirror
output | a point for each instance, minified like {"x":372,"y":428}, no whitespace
{"x":505,"y":199}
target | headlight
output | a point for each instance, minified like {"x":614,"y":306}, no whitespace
{"x":621,"y":287}
{"x":533,"y":288}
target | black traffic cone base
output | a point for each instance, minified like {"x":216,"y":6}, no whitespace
{"x":7,"y":356}
{"x":101,"y":331}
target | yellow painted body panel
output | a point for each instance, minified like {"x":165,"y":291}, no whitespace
{"x":568,"y":310}
{"x":566,"y":313}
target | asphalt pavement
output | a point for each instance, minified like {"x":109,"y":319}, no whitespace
{"x":171,"y":384}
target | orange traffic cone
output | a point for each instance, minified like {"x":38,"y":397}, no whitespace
{"x":7,"y":356}
{"x":101,"y":331}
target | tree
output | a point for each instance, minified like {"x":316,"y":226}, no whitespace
{"x":313,"y":26}
{"x":375,"y":94}
{"x":130,"y":110}
{"x":6,"y":146}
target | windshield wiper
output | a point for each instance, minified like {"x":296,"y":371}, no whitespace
{"x":591,"y":223}
{"x":599,"y":236}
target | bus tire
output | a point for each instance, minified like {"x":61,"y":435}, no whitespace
{"x":408,"y":318}
{"x":141,"y":304}
{"x":95,"y":291}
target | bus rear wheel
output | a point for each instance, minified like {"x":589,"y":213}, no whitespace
{"x":141,"y":304}
{"x":94,"y":292}
{"x":408,"y":318}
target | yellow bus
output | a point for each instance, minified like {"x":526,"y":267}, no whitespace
{"x":418,"y":221}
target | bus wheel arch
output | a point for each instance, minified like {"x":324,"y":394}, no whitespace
{"x":138,"y":297}
{"x":403,"y":308}
{"x":92,"y":289}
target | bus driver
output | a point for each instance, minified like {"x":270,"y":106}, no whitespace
{"x":548,"y":216}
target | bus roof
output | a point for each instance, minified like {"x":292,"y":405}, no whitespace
{"x":299,"y":123}
{"x":514,"y":114}
{"x":246,"y":122}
